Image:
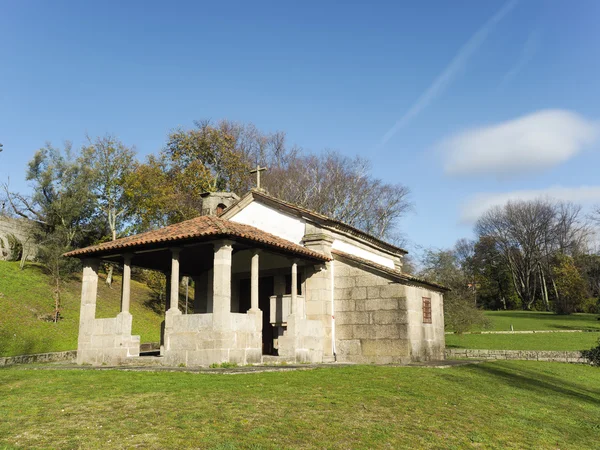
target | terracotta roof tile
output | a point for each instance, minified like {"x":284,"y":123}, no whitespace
{"x":400,"y":276}
{"x":199,"y":227}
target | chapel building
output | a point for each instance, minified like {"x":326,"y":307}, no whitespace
{"x":272,"y":282}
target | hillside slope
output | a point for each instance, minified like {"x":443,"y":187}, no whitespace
{"x":26,"y":297}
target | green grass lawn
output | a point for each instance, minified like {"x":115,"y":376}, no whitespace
{"x":541,"y":341}
{"x":26,"y":295}
{"x":535,"y":320}
{"x":530,"y":321}
{"x":507,"y":404}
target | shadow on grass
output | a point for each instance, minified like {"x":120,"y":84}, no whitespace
{"x":582,"y":327}
{"x":10,"y":347}
{"x":538,"y":382}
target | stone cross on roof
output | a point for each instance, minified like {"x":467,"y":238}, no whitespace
{"x":257,"y":171}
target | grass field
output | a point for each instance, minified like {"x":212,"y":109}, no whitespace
{"x":26,"y":295}
{"x":541,"y":341}
{"x":530,"y":321}
{"x":508,"y":404}
{"x":536,"y":320}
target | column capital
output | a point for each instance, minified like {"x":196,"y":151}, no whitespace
{"x":127,"y":257}
{"x":256,"y":251}
{"x":223,"y":243}
{"x":175,"y":250}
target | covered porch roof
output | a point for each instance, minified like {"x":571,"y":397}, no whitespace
{"x":193,"y":235}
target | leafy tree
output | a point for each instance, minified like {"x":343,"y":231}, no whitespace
{"x":108,"y":164}
{"x":493,"y":278}
{"x":569,"y":283}
{"x":211,"y":150}
{"x":460,"y":312}
{"x":528,"y":235}
{"x":63,"y":205}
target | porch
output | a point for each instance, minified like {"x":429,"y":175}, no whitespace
{"x":248,"y":300}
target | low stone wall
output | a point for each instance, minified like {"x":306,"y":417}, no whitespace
{"x":68,"y":356}
{"x":527,"y":355}
{"x":524,"y":332}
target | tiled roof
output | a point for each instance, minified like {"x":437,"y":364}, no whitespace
{"x":199,"y":227}
{"x":401,"y":277}
{"x":338,"y":224}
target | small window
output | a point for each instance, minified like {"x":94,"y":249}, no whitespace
{"x":426,"y":310}
{"x":220,"y":208}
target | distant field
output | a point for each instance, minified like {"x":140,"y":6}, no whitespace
{"x":535,"y":320}
{"x":532,"y":321}
{"x":541,"y":341}
{"x":26,"y":295}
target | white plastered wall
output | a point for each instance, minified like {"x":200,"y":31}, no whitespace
{"x":272,"y":221}
{"x":362,"y":253}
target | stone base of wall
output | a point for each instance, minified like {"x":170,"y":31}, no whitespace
{"x":107,"y":341}
{"x":194,"y":340}
{"x":525,"y":355}
{"x":302,"y":341}
{"x":68,"y":356}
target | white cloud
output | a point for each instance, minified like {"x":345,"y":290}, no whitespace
{"x":529,"y":143}
{"x":457,"y":64}
{"x":480,"y":203}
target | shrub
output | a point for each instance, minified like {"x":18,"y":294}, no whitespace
{"x":593,"y":354}
{"x":15,"y":248}
{"x":590,"y":305}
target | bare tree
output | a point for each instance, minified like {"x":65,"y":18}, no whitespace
{"x":529,"y":235}
{"x":328,"y":183}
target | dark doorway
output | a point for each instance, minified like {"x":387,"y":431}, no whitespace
{"x":265,"y":291}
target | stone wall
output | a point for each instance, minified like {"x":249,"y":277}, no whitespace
{"x":20,"y":228}
{"x":68,"y":356}
{"x":193,"y":340}
{"x":427,"y":340}
{"x":527,"y":355}
{"x":371,"y":317}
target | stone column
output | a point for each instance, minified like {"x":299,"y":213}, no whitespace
{"x":222,"y":285}
{"x":254,"y":271}
{"x":174,"y":306}
{"x":87,"y":315}
{"x":126,"y":283}
{"x":89,"y":291}
{"x":294,"y":296}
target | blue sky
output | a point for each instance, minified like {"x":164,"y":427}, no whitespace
{"x":466,"y":102}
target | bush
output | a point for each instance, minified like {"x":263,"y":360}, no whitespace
{"x":14,"y":251}
{"x":590,"y":305}
{"x":460,"y":315}
{"x":593,"y":354}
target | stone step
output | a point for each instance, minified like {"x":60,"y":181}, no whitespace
{"x":143,"y":361}
{"x":270,"y":359}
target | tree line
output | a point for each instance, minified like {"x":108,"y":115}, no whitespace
{"x":538,"y":254}
{"x":104,"y":190}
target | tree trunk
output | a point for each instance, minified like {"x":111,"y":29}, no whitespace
{"x":544,"y":289}
{"x":56,"y":314}
{"x":109,"y":276}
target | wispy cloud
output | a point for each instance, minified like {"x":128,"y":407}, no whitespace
{"x":457,"y":64}
{"x":529,"y":48}
{"x":478,"y":204}
{"x":526,"y":144}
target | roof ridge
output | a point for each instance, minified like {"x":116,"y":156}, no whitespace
{"x":393,"y":272}
{"x":331,"y":220}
